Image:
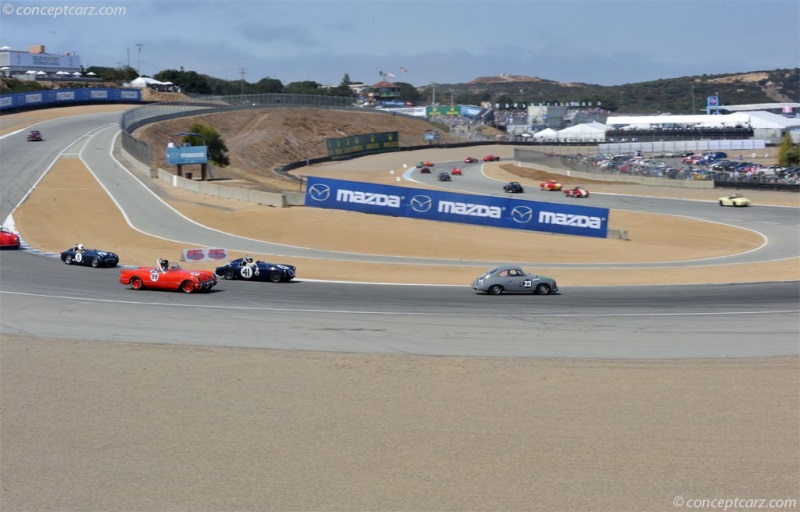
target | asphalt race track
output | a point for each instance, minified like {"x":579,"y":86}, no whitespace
{"x":742,"y":320}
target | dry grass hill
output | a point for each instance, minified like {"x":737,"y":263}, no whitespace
{"x":259,"y":140}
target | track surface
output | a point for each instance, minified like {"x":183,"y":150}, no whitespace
{"x":618,"y":322}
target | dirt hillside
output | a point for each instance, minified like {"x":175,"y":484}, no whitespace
{"x":259,"y":140}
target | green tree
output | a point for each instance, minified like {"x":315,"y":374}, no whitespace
{"x":304,"y":87}
{"x":268,"y":86}
{"x":217,"y":150}
{"x":788,"y":153}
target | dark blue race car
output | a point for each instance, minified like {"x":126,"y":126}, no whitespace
{"x":77,"y":255}
{"x":246,"y":268}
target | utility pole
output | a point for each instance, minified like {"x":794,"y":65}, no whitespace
{"x":694,"y":108}
{"x":139,"y":64}
{"x":241,"y":74}
{"x":128,"y":51}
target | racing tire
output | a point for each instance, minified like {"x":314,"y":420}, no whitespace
{"x":229,"y":273}
{"x":136,"y":283}
{"x":721,"y":204}
{"x":187,"y":286}
{"x":542,"y":289}
{"x":275,"y":276}
{"x":495,"y":289}
{"x":95,"y":262}
{"x":68,"y":259}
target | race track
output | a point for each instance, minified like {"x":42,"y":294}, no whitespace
{"x":741,"y":320}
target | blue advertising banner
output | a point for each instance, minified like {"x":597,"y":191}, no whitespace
{"x":187,"y":155}
{"x":56,"y":96}
{"x":502,"y":212}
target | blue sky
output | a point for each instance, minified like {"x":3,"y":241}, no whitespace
{"x":442,"y":41}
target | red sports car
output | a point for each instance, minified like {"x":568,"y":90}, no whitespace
{"x":576,"y":192}
{"x":470,"y":160}
{"x":34,"y":136}
{"x":166,"y":276}
{"x":425,"y":170}
{"x":456,"y":172}
{"x":550,"y":185}
{"x":8,"y":239}
{"x":491,"y":158}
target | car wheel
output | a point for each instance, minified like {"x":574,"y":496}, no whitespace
{"x":495,"y":289}
{"x":187,"y":286}
{"x":68,"y":259}
{"x":542,"y":289}
{"x":721,"y":203}
{"x":95,"y":262}
{"x":136,"y":283}
{"x":229,"y":273}
{"x":275,"y":276}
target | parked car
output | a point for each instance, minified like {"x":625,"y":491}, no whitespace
{"x":456,"y":172}
{"x":35,"y":136}
{"x":8,"y":239}
{"x":491,"y":158}
{"x":443,"y":176}
{"x":576,"y":192}
{"x":734,"y":200}
{"x":168,"y":276}
{"x":550,"y":185}
{"x":470,"y":160}
{"x":78,"y":255}
{"x":513,"y":188}
{"x":512,"y":279}
{"x":246,"y":268}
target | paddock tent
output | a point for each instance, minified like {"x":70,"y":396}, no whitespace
{"x":546,"y":134}
{"x":753,"y":119}
{"x":144,"y":81}
{"x":586,"y":132}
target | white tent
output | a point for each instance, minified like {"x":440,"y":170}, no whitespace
{"x":144,"y":81}
{"x":586,"y":132}
{"x":546,"y":134}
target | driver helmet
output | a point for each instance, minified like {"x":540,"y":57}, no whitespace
{"x":80,"y":247}
{"x":164,"y":264}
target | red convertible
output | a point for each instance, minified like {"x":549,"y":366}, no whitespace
{"x":166,"y":276}
{"x":8,"y":239}
{"x":576,"y":192}
{"x":456,"y":172}
{"x":491,"y":158}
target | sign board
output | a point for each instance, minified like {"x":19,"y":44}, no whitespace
{"x":187,"y":155}
{"x":365,"y":143}
{"x":205,"y":254}
{"x":501,"y":212}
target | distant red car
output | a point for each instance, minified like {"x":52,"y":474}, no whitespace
{"x":8,"y":239}
{"x":456,"y":172}
{"x":166,"y":276}
{"x":470,"y":160}
{"x":425,"y":170}
{"x":576,"y":192}
{"x":491,"y":158}
{"x":550,"y":185}
{"x":34,"y":136}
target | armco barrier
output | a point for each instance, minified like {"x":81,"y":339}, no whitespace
{"x":502,"y":212}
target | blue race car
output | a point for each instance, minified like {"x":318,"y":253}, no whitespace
{"x":246,"y":268}
{"x":77,"y":255}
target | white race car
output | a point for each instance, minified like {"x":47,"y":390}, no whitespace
{"x":734,"y":200}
